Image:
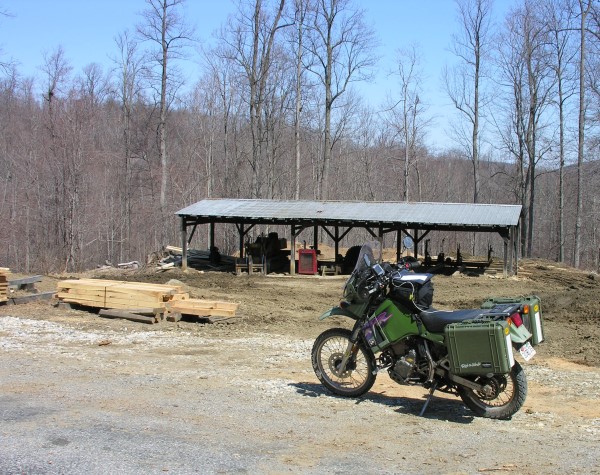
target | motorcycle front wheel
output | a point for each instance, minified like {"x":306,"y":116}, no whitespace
{"x":504,"y":395}
{"x":327,"y":355}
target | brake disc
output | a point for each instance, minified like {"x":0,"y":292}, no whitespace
{"x":334,"y":362}
{"x":493,"y":388}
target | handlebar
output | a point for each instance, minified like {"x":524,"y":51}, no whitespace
{"x":375,"y":280}
{"x":409,"y":264}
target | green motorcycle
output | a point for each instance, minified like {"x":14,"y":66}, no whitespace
{"x":468,"y":353}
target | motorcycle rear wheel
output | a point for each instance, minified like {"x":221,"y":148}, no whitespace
{"x":327,"y":353}
{"x":509,"y":393}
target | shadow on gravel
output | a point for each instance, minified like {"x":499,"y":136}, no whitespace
{"x":438,"y":409}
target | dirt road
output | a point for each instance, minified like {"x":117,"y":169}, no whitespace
{"x":83,"y":394}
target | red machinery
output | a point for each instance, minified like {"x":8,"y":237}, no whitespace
{"x":307,"y":261}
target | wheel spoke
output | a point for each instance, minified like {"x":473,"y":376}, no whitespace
{"x":331,"y":353}
{"x":503,"y":396}
{"x":504,"y":393}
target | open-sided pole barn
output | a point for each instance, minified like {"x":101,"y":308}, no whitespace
{"x":338,"y":218}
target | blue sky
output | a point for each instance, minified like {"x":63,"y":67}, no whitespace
{"x":86,"y":30}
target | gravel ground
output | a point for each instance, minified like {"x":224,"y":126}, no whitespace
{"x":80,"y":394}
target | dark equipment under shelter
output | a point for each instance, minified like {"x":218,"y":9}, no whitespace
{"x":338,"y":218}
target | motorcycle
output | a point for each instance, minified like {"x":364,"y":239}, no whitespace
{"x":468,"y":353}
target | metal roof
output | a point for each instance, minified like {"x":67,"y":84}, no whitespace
{"x":453,"y":216}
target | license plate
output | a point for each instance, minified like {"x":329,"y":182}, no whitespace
{"x":527,"y":351}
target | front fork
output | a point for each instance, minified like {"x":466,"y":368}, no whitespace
{"x":351,"y":349}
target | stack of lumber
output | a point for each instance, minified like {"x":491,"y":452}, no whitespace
{"x":139,"y":298}
{"x":211,"y":310}
{"x":118,"y":294}
{"x":197,"y":259}
{"x":4,"y":276}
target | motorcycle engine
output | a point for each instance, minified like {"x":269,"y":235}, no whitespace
{"x":405,"y":368}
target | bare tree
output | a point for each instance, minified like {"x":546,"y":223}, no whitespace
{"x":301,"y":8}
{"x":64,"y":173}
{"x":407,"y":113}
{"x":595,"y":65}
{"x":559,"y":28}
{"x":539,"y":86}
{"x":525,"y":65}
{"x":249,"y":42}
{"x":6,"y":66}
{"x":513,"y":109}
{"x":129,"y":67}
{"x":221,"y":79}
{"x":464,"y":83}
{"x":164,"y":25}
{"x":341,"y":52}
{"x":584,"y":8}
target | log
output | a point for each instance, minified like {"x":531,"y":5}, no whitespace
{"x":174,"y":249}
{"x":26,"y":282}
{"x":129,"y":265}
{"x":174,"y":316}
{"x":30,"y":298}
{"x":216,"y":319}
{"x":170,"y":265}
{"x":126,"y":315}
{"x":146,"y":311}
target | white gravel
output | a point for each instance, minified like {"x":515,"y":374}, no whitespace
{"x":165,"y":401}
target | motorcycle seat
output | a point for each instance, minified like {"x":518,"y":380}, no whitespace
{"x":436,"y":320}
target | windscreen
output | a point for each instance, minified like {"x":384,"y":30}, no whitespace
{"x":370,"y":254}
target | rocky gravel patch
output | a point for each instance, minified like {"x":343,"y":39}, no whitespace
{"x":159,"y":402}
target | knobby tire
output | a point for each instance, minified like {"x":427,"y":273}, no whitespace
{"x":326,"y":354}
{"x":506,"y":404}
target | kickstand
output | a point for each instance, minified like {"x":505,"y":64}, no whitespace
{"x":431,"y":391}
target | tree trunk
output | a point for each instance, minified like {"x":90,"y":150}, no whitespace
{"x":581,"y":132}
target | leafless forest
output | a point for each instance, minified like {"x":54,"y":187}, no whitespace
{"x":94,"y":163}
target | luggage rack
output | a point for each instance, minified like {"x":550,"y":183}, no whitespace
{"x":496,"y":312}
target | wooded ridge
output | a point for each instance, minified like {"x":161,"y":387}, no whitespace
{"x":94,"y":163}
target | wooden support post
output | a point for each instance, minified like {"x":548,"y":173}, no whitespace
{"x":241,"y":232}
{"x":398,"y":244}
{"x":511,"y":251}
{"x":506,"y":250}
{"x":516,"y":235}
{"x":293,"y":251}
{"x":416,"y":241}
{"x":211,"y":236}
{"x":184,"y":244}
{"x":337,"y":244}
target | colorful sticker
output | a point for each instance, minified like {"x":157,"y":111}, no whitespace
{"x":369,"y":328}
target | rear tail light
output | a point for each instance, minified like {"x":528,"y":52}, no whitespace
{"x":525,"y":309}
{"x":516,"y":319}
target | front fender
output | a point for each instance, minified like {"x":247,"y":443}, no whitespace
{"x":338,"y":312}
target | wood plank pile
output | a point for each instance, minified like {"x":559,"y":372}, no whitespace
{"x":117,"y":294}
{"x":4,"y":276}
{"x":204,"y":308}
{"x":140,"y":298}
{"x":197,"y":259}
